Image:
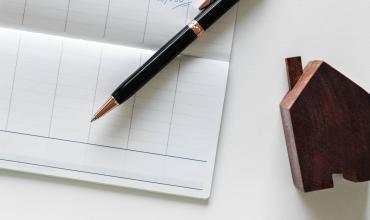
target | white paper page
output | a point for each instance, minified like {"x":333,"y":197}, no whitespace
{"x":164,"y":139}
{"x":141,"y":23}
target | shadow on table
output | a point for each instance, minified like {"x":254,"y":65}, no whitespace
{"x":347,"y":201}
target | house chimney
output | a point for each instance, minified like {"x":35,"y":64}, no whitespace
{"x":294,"y":70}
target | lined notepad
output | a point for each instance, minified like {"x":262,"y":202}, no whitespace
{"x":163,"y":139}
{"x":142,"y":23}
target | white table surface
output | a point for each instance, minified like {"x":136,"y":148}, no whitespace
{"x":252,"y":178}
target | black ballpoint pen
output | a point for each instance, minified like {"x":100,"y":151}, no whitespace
{"x":212,"y":11}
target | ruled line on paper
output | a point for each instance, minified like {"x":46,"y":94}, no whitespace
{"x":97,"y":145}
{"x":101,"y":174}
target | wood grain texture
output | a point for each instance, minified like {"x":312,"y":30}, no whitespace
{"x":326,"y":119}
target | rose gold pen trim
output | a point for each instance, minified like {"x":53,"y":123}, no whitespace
{"x":108,"y":106}
{"x":196,"y":27}
{"x":205,"y":4}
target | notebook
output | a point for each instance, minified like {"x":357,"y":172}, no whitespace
{"x":60,"y":60}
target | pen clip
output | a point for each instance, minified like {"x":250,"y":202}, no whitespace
{"x":205,"y":4}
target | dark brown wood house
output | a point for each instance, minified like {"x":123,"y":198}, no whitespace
{"x":326,"y":119}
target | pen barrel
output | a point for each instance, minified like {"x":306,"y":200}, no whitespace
{"x":171,"y":49}
{"x":154,"y":65}
{"x":213,"y":12}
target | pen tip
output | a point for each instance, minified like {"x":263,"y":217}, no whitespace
{"x":93,"y":119}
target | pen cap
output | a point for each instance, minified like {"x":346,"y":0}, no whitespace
{"x":214,"y":11}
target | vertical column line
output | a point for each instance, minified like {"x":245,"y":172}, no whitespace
{"x":67,"y":15}
{"x":132,"y":110}
{"x":131,"y":119}
{"x":14,"y":75}
{"x":56,"y":87}
{"x":146,"y":21}
{"x":187,"y":19}
{"x":96,"y":90}
{"x":106,"y":21}
{"x":173,"y":106}
{"x":24,"y":11}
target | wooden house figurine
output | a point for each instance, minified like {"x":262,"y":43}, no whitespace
{"x":326,"y":119}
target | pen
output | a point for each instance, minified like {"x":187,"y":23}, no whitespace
{"x":212,"y":11}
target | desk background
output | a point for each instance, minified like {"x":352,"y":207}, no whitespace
{"x":252,"y":179}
